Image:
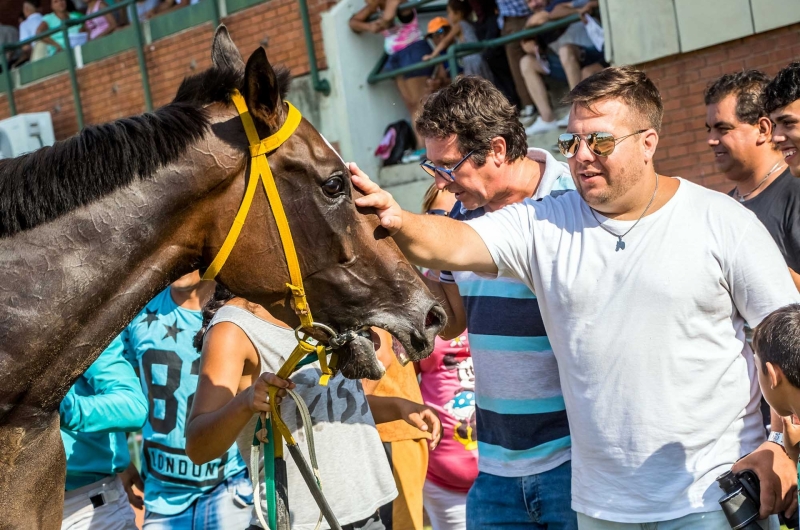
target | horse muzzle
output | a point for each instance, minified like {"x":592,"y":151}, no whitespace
{"x":357,"y":357}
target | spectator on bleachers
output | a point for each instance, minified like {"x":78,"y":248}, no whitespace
{"x":404,"y":44}
{"x":513,"y":14}
{"x":9,"y":35}
{"x":565,"y":55}
{"x":460,"y":16}
{"x":167,"y":6}
{"x":439,"y":30}
{"x":145,"y":9}
{"x":100,"y":26}
{"x":487,"y":28}
{"x":27,"y":28}
{"x":62,"y":10}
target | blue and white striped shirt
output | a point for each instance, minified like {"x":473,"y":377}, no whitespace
{"x":522,"y":424}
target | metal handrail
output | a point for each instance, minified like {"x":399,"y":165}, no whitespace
{"x":320,"y":85}
{"x":64,"y":28}
{"x":458,"y":50}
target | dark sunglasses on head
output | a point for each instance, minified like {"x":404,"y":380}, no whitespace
{"x":437,"y":211}
{"x":445,"y":173}
{"x":600,"y":143}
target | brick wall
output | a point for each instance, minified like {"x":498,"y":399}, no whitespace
{"x":111,"y":88}
{"x":682,"y":148}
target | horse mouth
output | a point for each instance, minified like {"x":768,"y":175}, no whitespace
{"x":358,"y":358}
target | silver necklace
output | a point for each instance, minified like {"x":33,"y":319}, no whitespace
{"x":744,"y":197}
{"x":620,"y":242}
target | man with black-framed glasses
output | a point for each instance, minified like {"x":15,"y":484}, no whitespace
{"x":644,"y":283}
{"x":478,"y":150}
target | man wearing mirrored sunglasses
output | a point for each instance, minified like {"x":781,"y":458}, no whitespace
{"x":478,"y":151}
{"x":644,"y":284}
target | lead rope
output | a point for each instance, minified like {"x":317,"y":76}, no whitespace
{"x":255,"y":458}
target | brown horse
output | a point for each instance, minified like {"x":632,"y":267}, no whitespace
{"x":93,"y":227}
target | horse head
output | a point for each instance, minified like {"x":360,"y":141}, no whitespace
{"x":355,"y":276}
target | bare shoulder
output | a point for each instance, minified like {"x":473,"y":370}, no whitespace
{"x":227,"y":339}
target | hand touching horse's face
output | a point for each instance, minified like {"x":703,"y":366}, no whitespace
{"x":355,"y":276}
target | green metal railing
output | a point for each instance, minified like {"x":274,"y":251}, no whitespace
{"x":73,"y":76}
{"x":167,"y":24}
{"x":320,"y":85}
{"x":458,"y":50}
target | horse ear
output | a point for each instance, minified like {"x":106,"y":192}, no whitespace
{"x":224,"y":53}
{"x":261,"y":90}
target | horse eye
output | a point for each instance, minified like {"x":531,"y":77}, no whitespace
{"x":333,"y":186}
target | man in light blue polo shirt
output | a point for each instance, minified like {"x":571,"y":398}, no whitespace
{"x":104,"y":403}
{"x":523,"y":435}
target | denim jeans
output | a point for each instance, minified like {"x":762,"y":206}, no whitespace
{"x":540,"y":501}
{"x":229,"y":505}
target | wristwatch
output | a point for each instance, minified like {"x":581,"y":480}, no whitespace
{"x":776,"y":437}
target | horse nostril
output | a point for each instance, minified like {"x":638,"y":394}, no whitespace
{"x":435,"y":318}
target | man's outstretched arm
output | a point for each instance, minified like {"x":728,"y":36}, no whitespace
{"x":430,"y":241}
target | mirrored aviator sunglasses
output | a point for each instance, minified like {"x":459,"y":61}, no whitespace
{"x":600,"y":143}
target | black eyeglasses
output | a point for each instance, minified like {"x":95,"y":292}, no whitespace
{"x":437,"y":211}
{"x":600,"y":143}
{"x":445,"y":173}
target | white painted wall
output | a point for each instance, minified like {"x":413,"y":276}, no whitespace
{"x":706,"y":23}
{"x":359,"y":112}
{"x":642,"y":31}
{"x":771,"y":14}
{"x":639,"y":31}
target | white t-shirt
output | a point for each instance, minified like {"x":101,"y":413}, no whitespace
{"x":659,"y":383}
{"x":28,"y":27}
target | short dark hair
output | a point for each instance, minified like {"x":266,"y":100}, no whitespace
{"x":777,"y":341}
{"x":783,"y":90}
{"x":747,"y":87}
{"x":460,"y":6}
{"x":627,"y":83}
{"x":475,"y":111}
{"x":35,"y":3}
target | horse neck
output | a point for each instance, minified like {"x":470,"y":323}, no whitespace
{"x":77,"y":281}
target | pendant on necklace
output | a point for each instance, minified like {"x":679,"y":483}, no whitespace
{"x":620,"y":244}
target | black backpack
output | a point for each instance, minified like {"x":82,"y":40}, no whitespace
{"x":404,"y":140}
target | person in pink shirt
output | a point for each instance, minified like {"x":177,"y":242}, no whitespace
{"x":100,"y":26}
{"x":447,"y":382}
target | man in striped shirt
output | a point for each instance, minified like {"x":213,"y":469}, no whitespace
{"x":523,"y":435}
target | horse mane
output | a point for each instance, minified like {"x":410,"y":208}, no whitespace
{"x":38,"y":187}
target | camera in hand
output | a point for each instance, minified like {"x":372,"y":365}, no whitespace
{"x":742,"y":500}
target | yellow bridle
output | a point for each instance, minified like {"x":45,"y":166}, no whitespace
{"x":260,"y":171}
